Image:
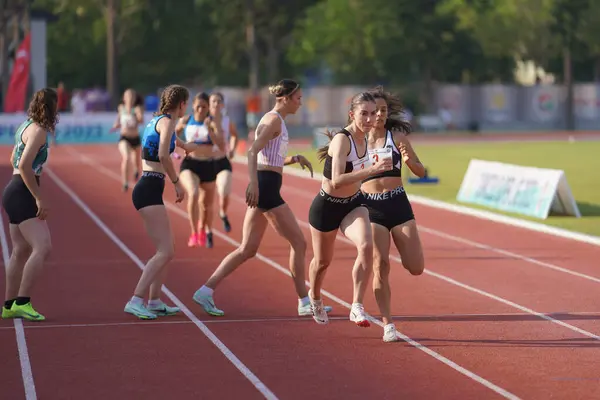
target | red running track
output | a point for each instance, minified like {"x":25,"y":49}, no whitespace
{"x":509,"y":320}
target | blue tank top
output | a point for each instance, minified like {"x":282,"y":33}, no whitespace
{"x":196,"y":132}
{"x":151,"y":139}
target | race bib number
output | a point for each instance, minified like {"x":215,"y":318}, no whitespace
{"x":361,"y":163}
{"x":380,"y":154}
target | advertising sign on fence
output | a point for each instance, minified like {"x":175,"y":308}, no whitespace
{"x":71,"y":128}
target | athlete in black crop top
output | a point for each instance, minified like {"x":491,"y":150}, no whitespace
{"x":159,"y":142}
{"x":328,"y":158}
{"x":339,"y":206}
{"x":390,"y":211}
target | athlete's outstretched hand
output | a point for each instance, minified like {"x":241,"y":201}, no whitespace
{"x":304,"y":163}
{"x":252,"y":194}
{"x":403,"y":146}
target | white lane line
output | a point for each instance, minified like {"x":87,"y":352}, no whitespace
{"x":258,"y":384}
{"x":501,"y":391}
{"x":27,"y":375}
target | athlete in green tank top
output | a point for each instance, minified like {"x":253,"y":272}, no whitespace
{"x":40,"y":158}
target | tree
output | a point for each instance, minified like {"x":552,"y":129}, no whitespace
{"x":588,"y":32}
{"x":514,"y":28}
{"x":352,"y":38}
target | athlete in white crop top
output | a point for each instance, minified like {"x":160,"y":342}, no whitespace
{"x":266,"y":178}
{"x":390,"y":212}
{"x":338,"y":206}
{"x":223,"y":167}
{"x":129,"y":118}
{"x":197,"y":170}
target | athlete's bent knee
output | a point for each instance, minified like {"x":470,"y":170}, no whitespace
{"x":248,"y":252}
{"x":42,"y":249}
{"x":321,"y":264}
{"x":365,"y":249}
{"x":415,"y":267}
{"x":299,"y":244}
{"x":21,"y":252}
{"x":381,"y":268}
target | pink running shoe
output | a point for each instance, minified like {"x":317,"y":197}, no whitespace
{"x":193,"y":240}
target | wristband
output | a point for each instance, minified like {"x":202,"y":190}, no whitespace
{"x":295,"y":159}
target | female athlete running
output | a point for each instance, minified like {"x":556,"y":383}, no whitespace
{"x":339,"y":206}
{"x":197,"y":170}
{"x":223,"y":167}
{"x":130,"y":117}
{"x":390,"y":211}
{"x":24,"y":204}
{"x":266,"y":157}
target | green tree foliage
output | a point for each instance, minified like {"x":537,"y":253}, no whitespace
{"x":76,"y":43}
{"x":508,"y":28}
{"x":395,"y":42}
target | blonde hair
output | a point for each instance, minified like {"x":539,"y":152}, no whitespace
{"x":284,"y":88}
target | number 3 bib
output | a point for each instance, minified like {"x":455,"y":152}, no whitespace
{"x":361,"y":163}
{"x":380,"y":154}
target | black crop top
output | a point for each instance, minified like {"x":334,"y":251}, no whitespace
{"x":350,"y":160}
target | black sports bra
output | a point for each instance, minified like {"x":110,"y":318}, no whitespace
{"x":352,"y":156}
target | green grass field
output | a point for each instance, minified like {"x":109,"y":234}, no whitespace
{"x":449,"y":162}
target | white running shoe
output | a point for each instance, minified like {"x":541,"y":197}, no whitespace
{"x":358,"y":315}
{"x":318,"y":311}
{"x":390,"y":334}
{"x":306,"y":309}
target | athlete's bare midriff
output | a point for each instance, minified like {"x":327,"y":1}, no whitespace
{"x":203,"y":152}
{"x":382,"y":185}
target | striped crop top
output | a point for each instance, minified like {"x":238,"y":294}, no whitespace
{"x":275,"y":152}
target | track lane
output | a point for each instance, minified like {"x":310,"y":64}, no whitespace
{"x":533,"y":333}
{"x":365,"y":378}
{"x":99,"y":362}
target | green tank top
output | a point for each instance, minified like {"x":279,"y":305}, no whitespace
{"x":40,"y":158}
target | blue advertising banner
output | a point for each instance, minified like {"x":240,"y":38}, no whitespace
{"x":71,"y":129}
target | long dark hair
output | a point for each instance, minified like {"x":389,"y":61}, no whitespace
{"x":358,"y":99}
{"x":396,"y":111}
{"x":42,"y":109}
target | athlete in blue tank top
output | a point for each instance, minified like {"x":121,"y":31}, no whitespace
{"x":158,"y":143}
{"x":151,"y":139}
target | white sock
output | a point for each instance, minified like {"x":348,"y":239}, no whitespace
{"x":303,"y":301}
{"x":155,"y":303}
{"x":137,"y":300}
{"x":206,"y":290}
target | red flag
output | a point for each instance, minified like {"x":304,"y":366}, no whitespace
{"x":17,"y":87}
